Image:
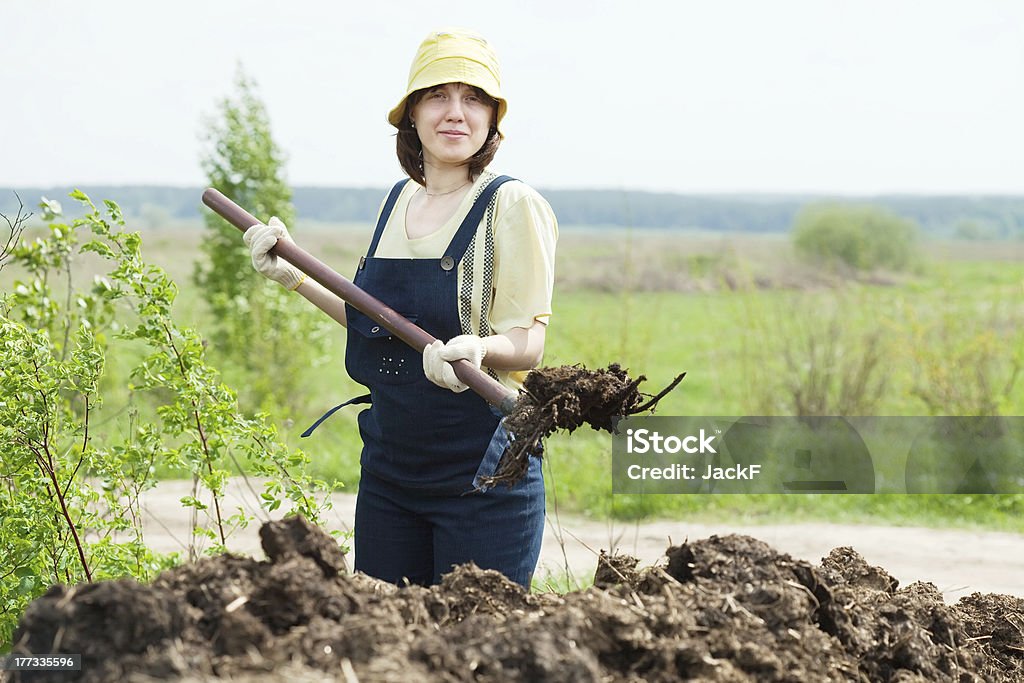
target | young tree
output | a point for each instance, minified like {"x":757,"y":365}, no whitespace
{"x":260,"y":337}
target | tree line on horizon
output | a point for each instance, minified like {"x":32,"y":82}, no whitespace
{"x":967,"y":217}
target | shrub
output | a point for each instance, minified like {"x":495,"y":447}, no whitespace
{"x":71,"y":473}
{"x":859,"y":237}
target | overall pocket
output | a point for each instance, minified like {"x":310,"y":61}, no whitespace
{"x":375,"y":356}
{"x":492,"y":456}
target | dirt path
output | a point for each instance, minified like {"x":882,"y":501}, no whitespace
{"x":958,"y":562}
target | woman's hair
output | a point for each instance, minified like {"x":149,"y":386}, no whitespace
{"x":410,"y":150}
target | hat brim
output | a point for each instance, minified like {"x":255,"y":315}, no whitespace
{"x":452,"y":71}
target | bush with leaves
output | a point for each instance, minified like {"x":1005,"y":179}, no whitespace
{"x":255,"y":322}
{"x":856,"y":236}
{"x":69,"y":493}
{"x":811,"y":355}
{"x":968,"y":362}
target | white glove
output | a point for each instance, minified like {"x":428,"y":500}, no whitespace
{"x":261,"y":239}
{"x":436,"y":357}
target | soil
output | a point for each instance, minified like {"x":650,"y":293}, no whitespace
{"x":726,"y":608}
{"x":568,"y":397}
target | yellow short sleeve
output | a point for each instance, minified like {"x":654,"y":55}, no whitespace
{"x":525,"y":234}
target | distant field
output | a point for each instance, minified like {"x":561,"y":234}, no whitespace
{"x":751,"y":325}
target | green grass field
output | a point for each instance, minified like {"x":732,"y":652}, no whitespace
{"x":756,"y":331}
{"x":948,"y":342}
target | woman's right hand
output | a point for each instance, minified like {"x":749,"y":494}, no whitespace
{"x":261,"y":239}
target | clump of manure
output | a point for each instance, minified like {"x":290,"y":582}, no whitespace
{"x":567,"y":397}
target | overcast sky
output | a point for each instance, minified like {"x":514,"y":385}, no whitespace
{"x":838,"y":96}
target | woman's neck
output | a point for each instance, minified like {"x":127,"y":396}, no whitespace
{"x":444,"y":180}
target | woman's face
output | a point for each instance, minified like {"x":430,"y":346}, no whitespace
{"x":452,"y":121}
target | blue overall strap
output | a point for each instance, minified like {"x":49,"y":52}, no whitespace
{"x":385,"y":214}
{"x":457,"y":247}
{"x":365,"y":398}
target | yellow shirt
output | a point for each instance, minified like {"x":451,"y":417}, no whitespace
{"x":508,"y":272}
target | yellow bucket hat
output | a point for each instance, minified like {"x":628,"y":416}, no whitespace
{"x":453,"y":56}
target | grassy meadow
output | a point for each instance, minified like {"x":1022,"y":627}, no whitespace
{"x":757,"y":331}
{"x":760,"y":333}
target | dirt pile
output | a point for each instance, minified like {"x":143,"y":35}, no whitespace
{"x":722,"y":609}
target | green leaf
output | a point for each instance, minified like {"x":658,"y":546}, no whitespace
{"x":98,"y":247}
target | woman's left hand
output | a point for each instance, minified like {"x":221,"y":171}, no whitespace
{"x":437,"y":359}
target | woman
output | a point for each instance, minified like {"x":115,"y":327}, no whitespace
{"x":468,"y":256}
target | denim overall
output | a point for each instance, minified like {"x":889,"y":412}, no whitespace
{"x":420,"y":507}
